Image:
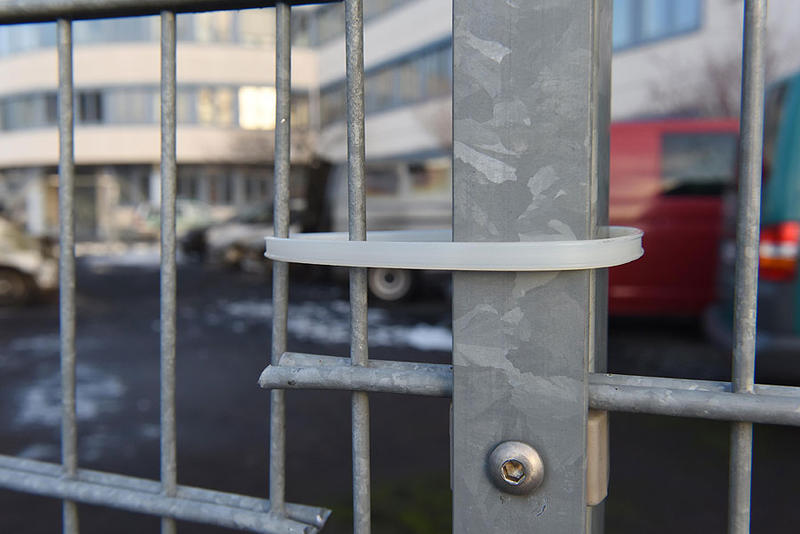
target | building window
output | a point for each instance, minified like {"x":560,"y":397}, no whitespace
{"x":301,"y":116}
{"x":90,"y":107}
{"x":332,"y":104}
{"x":328,"y":23}
{"x":189,"y":187}
{"x":257,"y":108}
{"x":135,"y":105}
{"x":116,"y":30}
{"x":248,"y":107}
{"x":642,"y":21}
{"x":417,"y":77}
{"x":215,"y":106}
{"x":254,"y":27}
{"x":221,"y":192}
{"x":133,"y":184}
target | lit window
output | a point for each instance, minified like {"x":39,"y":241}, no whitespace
{"x":257,"y":108}
{"x":215,"y":106}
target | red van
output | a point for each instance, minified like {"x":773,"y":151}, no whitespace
{"x":667,"y":178}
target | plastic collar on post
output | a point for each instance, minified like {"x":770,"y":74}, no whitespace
{"x":435,"y":250}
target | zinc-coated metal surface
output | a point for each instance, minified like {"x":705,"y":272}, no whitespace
{"x":529,"y":348}
{"x":715,"y":404}
{"x":525,"y":76}
{"x":168,"y":271}
{"x":309,"y":371}
{"x":357,"y":230}
{"x":280,"y":270}
{"x":164,"y":498}
{"x":702,"y":399}
{"x":311,"y":515}
{"x":66,"y":264}
{"x":144,"y":496}
{"x":747,"y":239}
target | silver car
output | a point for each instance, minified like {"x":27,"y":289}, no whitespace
{"x":27,"y":268}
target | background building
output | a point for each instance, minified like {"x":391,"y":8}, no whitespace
{"x":684,"y":56}
{"x":225,"y":118}
{"x":671,"y":57}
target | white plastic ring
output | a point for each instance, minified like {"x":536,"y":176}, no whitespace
{"x":435,"y":250}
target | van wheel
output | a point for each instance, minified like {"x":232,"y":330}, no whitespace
{"x":14,"y":288}
{"x":390,"y":284}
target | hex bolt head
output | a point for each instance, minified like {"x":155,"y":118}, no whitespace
{"x":515,"y":467}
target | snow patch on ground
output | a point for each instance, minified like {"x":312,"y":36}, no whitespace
{"x":329,"y":322}
{"x":48,"y":344}
{"x":41,"y":343}
{"x":97,"y":393}
{"x":141,"y":255}
{"x":41,"y":451}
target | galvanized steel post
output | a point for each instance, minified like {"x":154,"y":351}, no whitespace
{"x":530,"y":116}
{"x":66,"y":265}
{"x":169,"y":290}
{"x":280,"y":270}
{"x":747,"y":242}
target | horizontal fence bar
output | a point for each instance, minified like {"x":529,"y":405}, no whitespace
{"x":307,"y":371}
{"x":19,"y":11}
{"x":144,"y":496}
{"x":714,"y":386}
{"x":703,"y":399}
{"x":655,"y":396}
{"x":301,"y":359}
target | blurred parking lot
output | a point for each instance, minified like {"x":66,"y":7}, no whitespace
{"x":667,"y":475}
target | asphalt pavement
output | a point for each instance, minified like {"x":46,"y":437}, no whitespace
{"x":667,"y":474}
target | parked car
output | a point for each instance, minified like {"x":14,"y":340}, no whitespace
{"x":27,"y":265}
{"x":667,"y":178}
{"x":237,"y":242}
{"x":778,"y":320}
{"x":189,"y":215}
{"x":401,"y":195}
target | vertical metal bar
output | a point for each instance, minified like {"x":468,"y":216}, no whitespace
{"x":598,"y":280}
{"x":280,"y":270}
{"x":66,"y":265}
{"x":530,"y":79}
{"x":169,"y":478}
{"x":357,"y":226}
{"x":747,"y":237}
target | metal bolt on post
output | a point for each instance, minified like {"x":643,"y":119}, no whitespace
{"x":516,"y":467}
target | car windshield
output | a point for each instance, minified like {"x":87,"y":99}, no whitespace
{"x":261,"y":214}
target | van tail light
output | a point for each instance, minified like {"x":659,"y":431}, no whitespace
{"x":778,"y":250}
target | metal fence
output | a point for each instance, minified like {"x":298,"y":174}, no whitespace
{"x":529,"y":347}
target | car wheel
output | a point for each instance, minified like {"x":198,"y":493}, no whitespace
{"x":390,"y":284}
{"x":14,"y":288}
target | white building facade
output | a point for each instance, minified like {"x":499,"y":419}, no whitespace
{"x":226,"y":115}
{"x":671,"y":57}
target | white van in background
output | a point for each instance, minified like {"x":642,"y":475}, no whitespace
{"x":401,"y":195}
